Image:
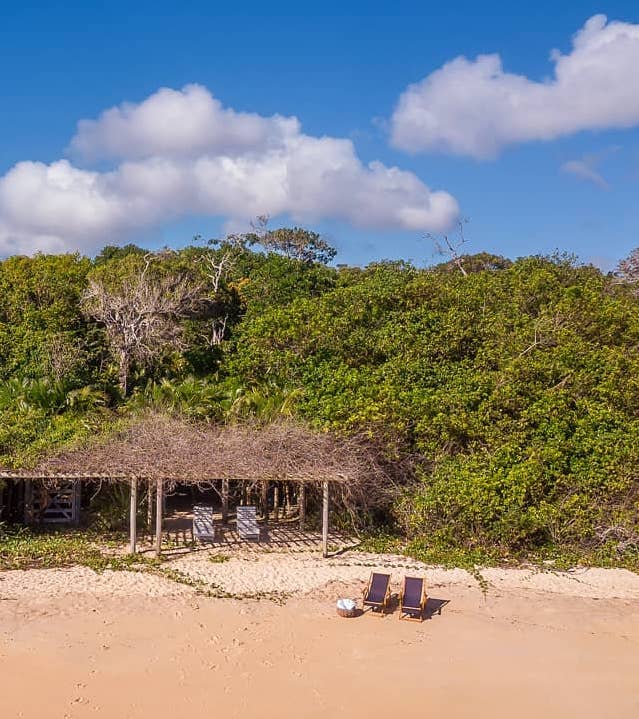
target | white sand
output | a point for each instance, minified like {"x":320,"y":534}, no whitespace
{"x":255,"y":573}
{"x":46,"y":584}
{"x":251,"y":574}
{"x":77,"y":645}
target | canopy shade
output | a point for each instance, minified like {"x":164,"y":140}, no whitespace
{"x":175,"y":450}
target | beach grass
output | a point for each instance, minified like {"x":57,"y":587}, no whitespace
{"x":24,"y":548}
{"x":546,"y":558}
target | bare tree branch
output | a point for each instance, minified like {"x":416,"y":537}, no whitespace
{"x":141,"y":315}
{"x":446,"y":245}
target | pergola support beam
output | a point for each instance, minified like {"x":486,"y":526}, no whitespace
{"x":225,"y":500}
{"x":301,"y":501}
{"x":28,"y":501}
{"x":133,"y":516}
{"x":159,"y":500}
{"x":264,"y":501}
{"x":77,"y":494}
{"x":325,"y":504}
{"x":149,"y":507}
{"x":276,"y":502}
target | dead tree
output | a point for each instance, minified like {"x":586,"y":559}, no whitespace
{"x":219,"y":261}
{"x":627,"y":271}
{"x":142,"y":314}
{"x":218,"y":265}
{"x":451,"y":246}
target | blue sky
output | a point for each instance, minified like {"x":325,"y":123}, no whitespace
{"x":340,"y":70}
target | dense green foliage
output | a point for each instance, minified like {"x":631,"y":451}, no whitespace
{"x":514,"y":389}
{"x":519,"y":387}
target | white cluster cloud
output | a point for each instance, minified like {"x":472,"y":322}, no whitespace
{"x":178,"y":123}
{"x":179,"y":153}
{"x":476,"y":108}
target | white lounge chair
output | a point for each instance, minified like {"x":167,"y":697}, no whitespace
{"x":247,"y":526}
{"x":203,"y":526}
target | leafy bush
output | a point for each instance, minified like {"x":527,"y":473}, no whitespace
{"x":22,"y":548}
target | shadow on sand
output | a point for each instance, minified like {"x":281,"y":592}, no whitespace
{"x":433,"y":607}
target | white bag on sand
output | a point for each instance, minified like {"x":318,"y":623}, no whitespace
{"x":346,"y":604}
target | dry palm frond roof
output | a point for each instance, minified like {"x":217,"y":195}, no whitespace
{"x":162,"y":447}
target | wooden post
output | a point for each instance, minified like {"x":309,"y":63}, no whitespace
{"x":301,"y":501}
{"x":6,"y":496}
{"x":276,"y":502}
{"x":28,"y":501}
{"x":265,"y":501}
{"x":77,"y":489}
{"x":325,"y":500}
{"x":149,"y":506}
{"x":225,"y":500}
{"x":287,"y":499}
{"x":133,"y":515}
{"x":158,"y":518}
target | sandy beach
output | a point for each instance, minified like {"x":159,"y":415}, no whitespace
{"x":77,"y":644}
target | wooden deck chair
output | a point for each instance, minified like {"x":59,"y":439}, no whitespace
{"x":412,"y":599}
{"x":247,"y":526}
{"x":377,"y":593}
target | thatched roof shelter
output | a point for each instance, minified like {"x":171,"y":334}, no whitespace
{"x":166,"y":450}
{"x":174,"y":450}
